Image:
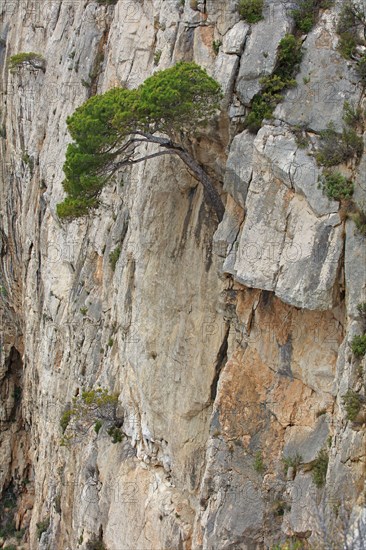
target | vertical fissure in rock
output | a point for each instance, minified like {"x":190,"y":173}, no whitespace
{"x":220,"y":363}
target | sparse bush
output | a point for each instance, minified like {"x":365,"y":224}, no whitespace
{"x":352,"y":143}
{"x":306,"y":12}
{"x":352,"y":403}
{"x":289,"y":57}
{"x":8,"y":529}
{"x":91,"y":408}
{"x":258,"y":463}
{"x":358,"y":345}
{"x":95,"y":544}
{"x":84,"y":310}
{"x":335,"y":148}
{"x":31,"y":59}
{"x":320,"y":467}
{"x":251,"y":10}
{"x":351,"y":25}
{"x":352,"y":116}
{"x":115,"y":434}
{"x":28,"y":160}
{"x":260,"y":109}
{"x":361,"y":69}
{"x":279,"y":507}
{"x":263,"y":104}
{"x":361,"y":308}
{"x":301,"y":136}
{"x":114,"y":256}
{"x":292,"y":462}
{"x":157,"y":56}
{"x":97,"y":426}
{"x":359,"y":218}
{"x":65,"y":419}
{"x":107,"y":2}
{"x":304,"y":15}
{"x":347,"y":45}
{"x":336,"y":186}
{"x":216,"y":46}
{"x":42,"y":527}
{"x":289,"y":544}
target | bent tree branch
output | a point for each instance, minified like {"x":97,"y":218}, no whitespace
{"x":108,"y":129}
{"x":211,"y":196}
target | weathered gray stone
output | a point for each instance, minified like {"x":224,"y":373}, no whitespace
{"x":286,"y":249}
{"x":263,"y":234}
{"x":225,"y":72}
{"x":355,"y":269}
{"x":234,"y":39}
{"x":310,"y":258}
{"x":228,"y":230}
{"x":260,"y":52}
{"x":305,"y":177}
{"x":306,"y":441}
{"x":324,"y":82}
{"x":166,"y":330}
{"x":294,"y":166}
{"x":239,"y":167}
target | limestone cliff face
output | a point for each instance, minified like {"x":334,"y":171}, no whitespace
{"x":229,"y":345}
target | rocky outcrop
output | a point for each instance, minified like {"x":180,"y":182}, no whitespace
{"x":228,"y":345}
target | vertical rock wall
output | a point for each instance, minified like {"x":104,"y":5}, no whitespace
{"x":229,"y":346}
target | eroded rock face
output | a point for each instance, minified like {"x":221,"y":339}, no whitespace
{"x":229,"y":345}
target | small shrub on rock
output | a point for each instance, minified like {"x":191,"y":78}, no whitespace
{"x":114,"y":256}
{"x":352,"y":115}
{"x":95,"y":544}
{"x":93,"y":407}
{"x":263,"y":104}
{"x":115,"y":434}
{"x":336,"y":148}
{"x":352,"y":403}
{"x":258,"y":463}
{"x":292,"y":462}
{"x":251,"y":10}
{"x":359,"y":218}
{"x":42,"y":527}
{"x":350,"y":28}
{"x":336,"y":186}
{"x":107,"y":2}
{"x":319,"y":470}
{"x":361,"y":308}
{"x":306,"y":11}
{"x":25,"y":59}
{"x":358,"y":345}
{"x":361,"y":69}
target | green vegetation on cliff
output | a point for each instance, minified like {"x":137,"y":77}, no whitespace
{"x":108,"y":130}
{"x":31,"y":59}
{"x":289,"y":56}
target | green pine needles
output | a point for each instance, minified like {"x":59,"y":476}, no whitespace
{"x":29,"y":59}
{"x":108,"y":129}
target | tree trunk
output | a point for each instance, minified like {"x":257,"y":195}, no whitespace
{"x":211,"y":195}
